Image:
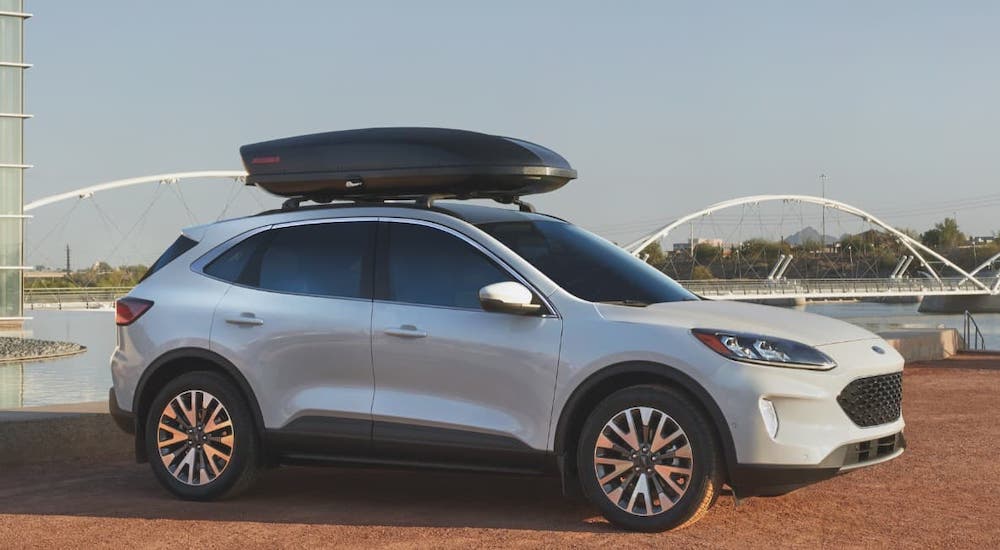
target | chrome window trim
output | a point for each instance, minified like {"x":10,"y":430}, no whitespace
{"x":199,"y":265}
{"x":489,"y":255}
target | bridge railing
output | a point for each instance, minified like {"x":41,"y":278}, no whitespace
{"x":89,"y":297}
{"x":64,"y":297}
{"x":831,"y":287}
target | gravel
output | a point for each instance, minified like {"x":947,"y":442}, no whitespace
{"x":26,"y":349}
{"x":943,"y":492}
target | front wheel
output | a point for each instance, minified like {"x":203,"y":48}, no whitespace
{"x":648,"y":460}
{"x":200,"y":438}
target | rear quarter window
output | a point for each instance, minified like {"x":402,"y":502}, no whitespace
{"x":180,"y":246}
{"x":331,"y":259}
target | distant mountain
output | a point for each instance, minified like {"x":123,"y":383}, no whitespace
{"x":809,"y":234}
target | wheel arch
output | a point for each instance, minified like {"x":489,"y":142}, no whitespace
{"x":180,"y":361}
{"x":614,"y":377}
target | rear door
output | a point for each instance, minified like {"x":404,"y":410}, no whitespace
{"x":455,"y":383}
{"x":297,"y":323}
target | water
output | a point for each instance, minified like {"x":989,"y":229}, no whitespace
{"x":879,"y":317}
{"x":87,"y":377}
{"x":76,"y":379}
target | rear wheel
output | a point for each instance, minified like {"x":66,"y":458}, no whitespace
{"x":200,"y":438}
{"x":647,"y":459}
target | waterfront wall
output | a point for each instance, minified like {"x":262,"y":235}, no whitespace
{"x":959,"y":304}
{"x":925,"y":344}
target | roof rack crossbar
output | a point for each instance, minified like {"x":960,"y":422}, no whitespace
{"x":293,"y":203}
{"x":523,"y":206}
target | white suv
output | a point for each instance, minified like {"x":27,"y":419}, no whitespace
{"x":451,"y":335}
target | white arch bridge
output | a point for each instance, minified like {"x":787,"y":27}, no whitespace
{"x":947,"y":279}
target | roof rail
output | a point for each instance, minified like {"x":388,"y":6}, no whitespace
{"x":426,"y":201}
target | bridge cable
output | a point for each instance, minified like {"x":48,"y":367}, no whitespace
{"x":177,"y":191}
{"x":260,"y":203}
{"x":111,"y":223}
{"x":141,"y":220}
{"x":230,"y":197}
{"x":60,"y":225}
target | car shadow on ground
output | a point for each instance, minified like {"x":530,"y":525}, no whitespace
{"x":324,"y":495}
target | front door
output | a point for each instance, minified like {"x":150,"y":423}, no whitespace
{"x":455,"y":383}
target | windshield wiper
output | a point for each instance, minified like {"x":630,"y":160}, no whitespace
{"x":630,"y":303}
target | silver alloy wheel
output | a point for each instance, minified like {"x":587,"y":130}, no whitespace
{"x":195,"y":437}
{"x":643,"y":461}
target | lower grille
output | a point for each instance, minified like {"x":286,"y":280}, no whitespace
{"x":867,"y":451}
{"x":874,"y":400}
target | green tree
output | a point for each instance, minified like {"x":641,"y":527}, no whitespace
{"x":654,"y":256}
{"x":945,"y":234}
{"x":811,"y":245}
{"x":700,"y":272}
{"x":762,"y":248}
{"x":705,"y":253}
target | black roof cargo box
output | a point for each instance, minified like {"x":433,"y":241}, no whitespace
{"x":403,"y":163}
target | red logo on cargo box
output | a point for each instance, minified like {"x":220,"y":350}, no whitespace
{"x":266,"y":160}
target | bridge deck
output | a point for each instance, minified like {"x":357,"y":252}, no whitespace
{"x":751,"y":289}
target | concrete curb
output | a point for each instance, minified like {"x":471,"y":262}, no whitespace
{"x":82,"y":431}
{"x":35,"y":358}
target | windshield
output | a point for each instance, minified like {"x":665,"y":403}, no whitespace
{"x":586,"y":265}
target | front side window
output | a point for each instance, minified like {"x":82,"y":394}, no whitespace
{"x":586,"y":265}
{"x":431,"y":267}
{"x":329,"y":259}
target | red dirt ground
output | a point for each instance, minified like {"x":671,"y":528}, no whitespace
{"x":943,"y":492}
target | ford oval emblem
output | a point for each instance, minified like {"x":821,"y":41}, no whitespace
{"x":878,"y":350}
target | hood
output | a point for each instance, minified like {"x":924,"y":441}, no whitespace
{"x":807,"y":328}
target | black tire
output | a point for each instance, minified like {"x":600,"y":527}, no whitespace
{"x":702,"y":485}
{"x":238,"y":473}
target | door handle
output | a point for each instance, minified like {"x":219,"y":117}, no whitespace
{"x":246,"y":320}
{"x":406,"y":331}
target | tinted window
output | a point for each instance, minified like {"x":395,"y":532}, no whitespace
{"x":331,"y":259}
{"x":429,"y":266}
{"x":180,"y":246}
{"x":232,"y":264}
{"x":586,"y":265}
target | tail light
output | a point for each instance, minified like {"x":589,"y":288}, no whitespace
{"x":128,"y":310}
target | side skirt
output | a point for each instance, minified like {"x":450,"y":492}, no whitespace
{"x":355,"y":442}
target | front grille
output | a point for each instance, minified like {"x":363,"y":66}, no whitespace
{"x":874,"y":400}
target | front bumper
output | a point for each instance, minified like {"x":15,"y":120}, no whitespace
{"x":749,"y":480}
{"x":812,"y":425}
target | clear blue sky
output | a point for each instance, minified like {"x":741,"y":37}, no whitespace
{"x":663,"y":107}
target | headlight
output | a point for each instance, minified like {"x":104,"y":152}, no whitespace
{"x":764,"y":350}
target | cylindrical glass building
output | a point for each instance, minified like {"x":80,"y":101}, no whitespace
{"x":12,"y":117}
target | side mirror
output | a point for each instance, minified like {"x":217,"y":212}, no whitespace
{"x":508,"y":297}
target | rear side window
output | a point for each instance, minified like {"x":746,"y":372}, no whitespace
{"x":428,"y":266}
{"x":330,"y":259}
{"x":180,"y":246}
